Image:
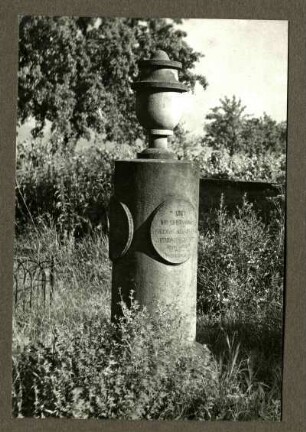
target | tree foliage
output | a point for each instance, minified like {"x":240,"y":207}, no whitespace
{"x":263,"y":134}
{"x":231,"y":129}
{"x":224,"y":130}
{"x":76,"y":72}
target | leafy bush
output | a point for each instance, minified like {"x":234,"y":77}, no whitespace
{"x":241,"y":267}
{"x":265,"y":167}
{"x":73,"y":190}
{"x":136,"y":369}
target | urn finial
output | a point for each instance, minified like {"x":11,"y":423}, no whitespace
{"x":158,"y":102}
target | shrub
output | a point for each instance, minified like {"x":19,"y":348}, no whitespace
{"x":136,"y":369}
{"x":219,"y":164}
{"x":241,"y":267}
{"x":269,"y":165}
{"x":71,"y":189}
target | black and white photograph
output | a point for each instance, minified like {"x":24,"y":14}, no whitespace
{"x":149,"y":251}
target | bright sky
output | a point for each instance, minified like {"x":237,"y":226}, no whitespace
{"x":245,"y":58}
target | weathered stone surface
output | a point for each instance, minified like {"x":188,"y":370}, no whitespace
{"x":173,"y":230}
{"x":143,"y":186}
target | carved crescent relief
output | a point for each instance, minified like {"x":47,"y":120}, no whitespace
{"x":121,"y":229}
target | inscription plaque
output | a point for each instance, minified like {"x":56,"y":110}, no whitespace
{"x":173,"y":230}
{"x":121,"y":229}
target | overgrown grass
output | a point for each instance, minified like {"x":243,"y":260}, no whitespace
{"x":70,"y":361}
{"x":81,"y":282}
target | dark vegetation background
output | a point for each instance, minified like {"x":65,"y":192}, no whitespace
{"x":68,"y":361}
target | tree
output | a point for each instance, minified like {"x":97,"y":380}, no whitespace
{"x":76,"y":72}
{"x":234,"y":131}
{"x":224,"y":130}
{"x":263,"y":134}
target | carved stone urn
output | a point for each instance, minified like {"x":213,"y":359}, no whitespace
{"x":158,"y":102}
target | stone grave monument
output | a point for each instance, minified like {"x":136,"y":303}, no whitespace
{"x":154,"y":210}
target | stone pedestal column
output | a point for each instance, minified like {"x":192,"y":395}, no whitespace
{"x":154,"y":235}
{"x":154,"y":211}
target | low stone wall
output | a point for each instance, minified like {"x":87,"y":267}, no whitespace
{"x":263,"y":195}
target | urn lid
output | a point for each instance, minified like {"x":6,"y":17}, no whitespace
{"x":159,"y":72}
